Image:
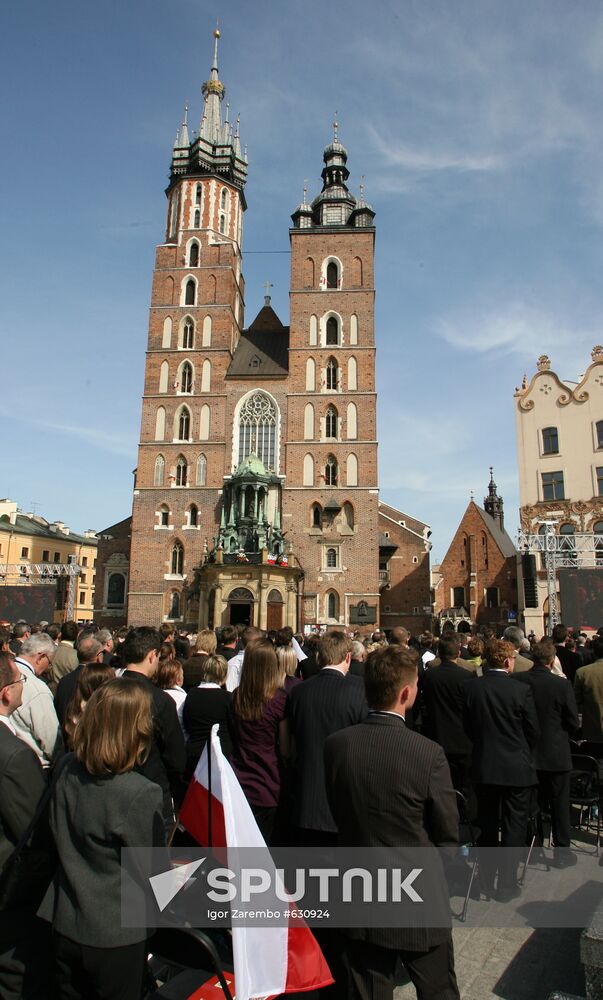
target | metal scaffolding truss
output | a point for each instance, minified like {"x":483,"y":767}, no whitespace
{"x":24,"y":572}
{"x":569,"y":551}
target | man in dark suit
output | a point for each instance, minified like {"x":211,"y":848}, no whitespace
{"x":89,"y":651}
{"x":443,"y":693}
{"x":501,"y":720}
{"x":558,"y":721}
{"x":411,"y":805}
{"x":323,"y":704}
{"x":570,"y":661}
{"x":24,"y":940}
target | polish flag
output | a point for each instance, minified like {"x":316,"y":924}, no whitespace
{"x":268,"y":961}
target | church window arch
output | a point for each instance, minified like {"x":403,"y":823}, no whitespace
{"x":193,"y":515}
{"x":193,"y":254}
{"x":160,"y":423}
{"x":190,"y":292}
{"x":332,"y":275}
{"x":224,"y":199}
{"x":175,"y":604}
{"x":309,"y":422}
{"x":198,"y":192}
{"x":352,"y":470}
{"x":197,"y":219}
{"x":331,"y":421}
{"x":169,"y":290}
{"x":256,"y":429}
{"x":211,"y":288}
{"x":332,"y":375}
{"x":332,"y":601}
{"x":353,"y":329}
{"x":182,"y":424}
{"x":206,"y":337}
{"x":332,"y":333}
{"x":181,"y":476}
{"x":352,"y":422}
{"x":177,"y":559}
{"x":164,"y":515}
{"x":222,"y":224}
{"x":185,"y":379}
{"x":308,"y":470}
{"x":164,"y":374}
{"x":313,"y":331}
{"x":206,"y":376}
{"x":331,"y":272}
{"x":201,"y":477}
{"x":166,"y":340}
{"x":331,"y":558}
{"x":347,"y":512}
{"x":187,"y":334}
{"x":330,"y":473}
{"x":357,"y":272}
{"x":316,"y":515}
{"x":308,"y":273}
{"x":310,"y":375}
{"x":204,"y":423}
{"x":159,"y":471}
{"x":352,"y":375}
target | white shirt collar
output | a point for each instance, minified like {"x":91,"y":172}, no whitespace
{"x":24,"y":663}
{"x":8,"y":722}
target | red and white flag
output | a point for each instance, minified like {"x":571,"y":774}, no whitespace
{"x":268,"y":961}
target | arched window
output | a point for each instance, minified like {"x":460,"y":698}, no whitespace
{"x":313,"y":331}
{"x":159,"y":471}
{"x":186,"y":377}
{"x":332,"y":605}
{"x":316,"y":515}
{"x":167,"y":332}
{"x":160,"y":424}
{"x":164,"y":515}
{"x":184,"y":424}
{"x":353,"y":329}
{"x":189,"y":293}
{"x":197,"y":219}
{"x":331,"y":422}
{"x":308,"y":473}
{"x":198,"y":191}
{"x":169,"y":290}
{"x":206,"y":376}
{"x":211,"y":288}
{"x":174,"y":611}
{"x":348,"y":515}
{"x":177,"y":563}
{"x":331,"y":559}
{"x":352,"y":375}
{"x":223,"y":197}
{"x":352,"y":422}
{"x":181,"y":471}
{"x":258,"y":429}
{"x":193,"y":515}
{"x":310,"y":375}
{"x":206,"y":340}
{"x":332,"y":332}
{"x":357,"y":272}
{"x":204,"y":423}
{"x":188,"y":333}
{"x":164,"y":374}
{"x":201,"y":476}
{"x":193,"y":254}
{"x":309,"y":422}
{"x":332,"y":275}
{"x":116,"y":591}
{"x":352,"y":471}
{"x":308,"y":275}
{"x":332,"y":374}
{"x":331,"y":471}
{"x":222,"y":224}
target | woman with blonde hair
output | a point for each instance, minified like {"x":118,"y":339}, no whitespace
{"x":205,"y":646}
{"x":101,"y":805}
{"x":206,"y":705}
{"x":287,"y":661}
{"x":261,"y":732}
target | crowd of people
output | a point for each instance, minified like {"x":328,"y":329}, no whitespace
{"x":335,"y":739}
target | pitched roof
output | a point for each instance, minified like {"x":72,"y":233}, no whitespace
{"x":34,"y":526}
{"x":263,"y":349}
{"x":501,"y":538}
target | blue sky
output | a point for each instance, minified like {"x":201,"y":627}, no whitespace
{"x":478,"y":128}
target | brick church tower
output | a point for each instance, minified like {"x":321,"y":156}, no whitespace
{"x":256,"y":488}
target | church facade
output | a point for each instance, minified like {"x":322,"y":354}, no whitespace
{"x":256,"y":494}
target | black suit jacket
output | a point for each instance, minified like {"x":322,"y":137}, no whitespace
{"x":65,"y":691}
{"x":320,"y":706}
{"x":557,"y":718}
{"x":570,"y":661}
{"x":443,"y":694}
{"x":500,"y":717}
{"x":389,"y":786}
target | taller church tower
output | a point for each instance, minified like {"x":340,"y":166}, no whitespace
{"x":195,"y":323}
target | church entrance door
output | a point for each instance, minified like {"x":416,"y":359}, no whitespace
{"x":274,"y":619}
{"x":240,"y":603}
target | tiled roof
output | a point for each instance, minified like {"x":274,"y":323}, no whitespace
{"x":30,"y":526}
{"x":263,"y":349}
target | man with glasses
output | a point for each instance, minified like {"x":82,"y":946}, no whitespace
{"x":23,"y":938}
{"x":36,"y":721}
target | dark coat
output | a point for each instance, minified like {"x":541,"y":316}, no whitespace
{"x":389,"y":786}
{"x":500,"y":716}
{"x":65,"y":691}
{"x":320,"y":706}
{"x":557,"y":718}
{"x":203,"y":709}
{"x":570,"y":661}
{"x":443,"y":697}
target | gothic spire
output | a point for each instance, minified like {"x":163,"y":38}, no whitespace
{"x":184,"y":132}
{"x":213,"y":92}
{"x":493,"y":503}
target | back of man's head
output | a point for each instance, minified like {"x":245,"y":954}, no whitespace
{"x":283,"y":637}
{"x":358,"y":651}
{"x":104,"y":636}
{"x":228,"y":635}
{"x":69,"y":631}
{"x":498,"y":652}
{"x":399,"y":636}
{"x":139,"y":642}
{"x":251,"y":634}
{"x":88,"y":649}
{"x":544,"y":653}
{"x":449,"y":646}
{"x":54,"y":631}
{"x":21,"y":630}
{"x":386,"y":672}
{"x":559,"y":634}
{"x":333,"y":648}
{"x":39,"y":643}
{"x":514,"y":634}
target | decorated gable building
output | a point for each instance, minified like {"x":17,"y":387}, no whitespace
{"x":256,"y":495}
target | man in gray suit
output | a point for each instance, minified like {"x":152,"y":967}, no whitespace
{"x":412,"y":804}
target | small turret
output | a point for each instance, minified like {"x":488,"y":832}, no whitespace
{"x":493,"y":503}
